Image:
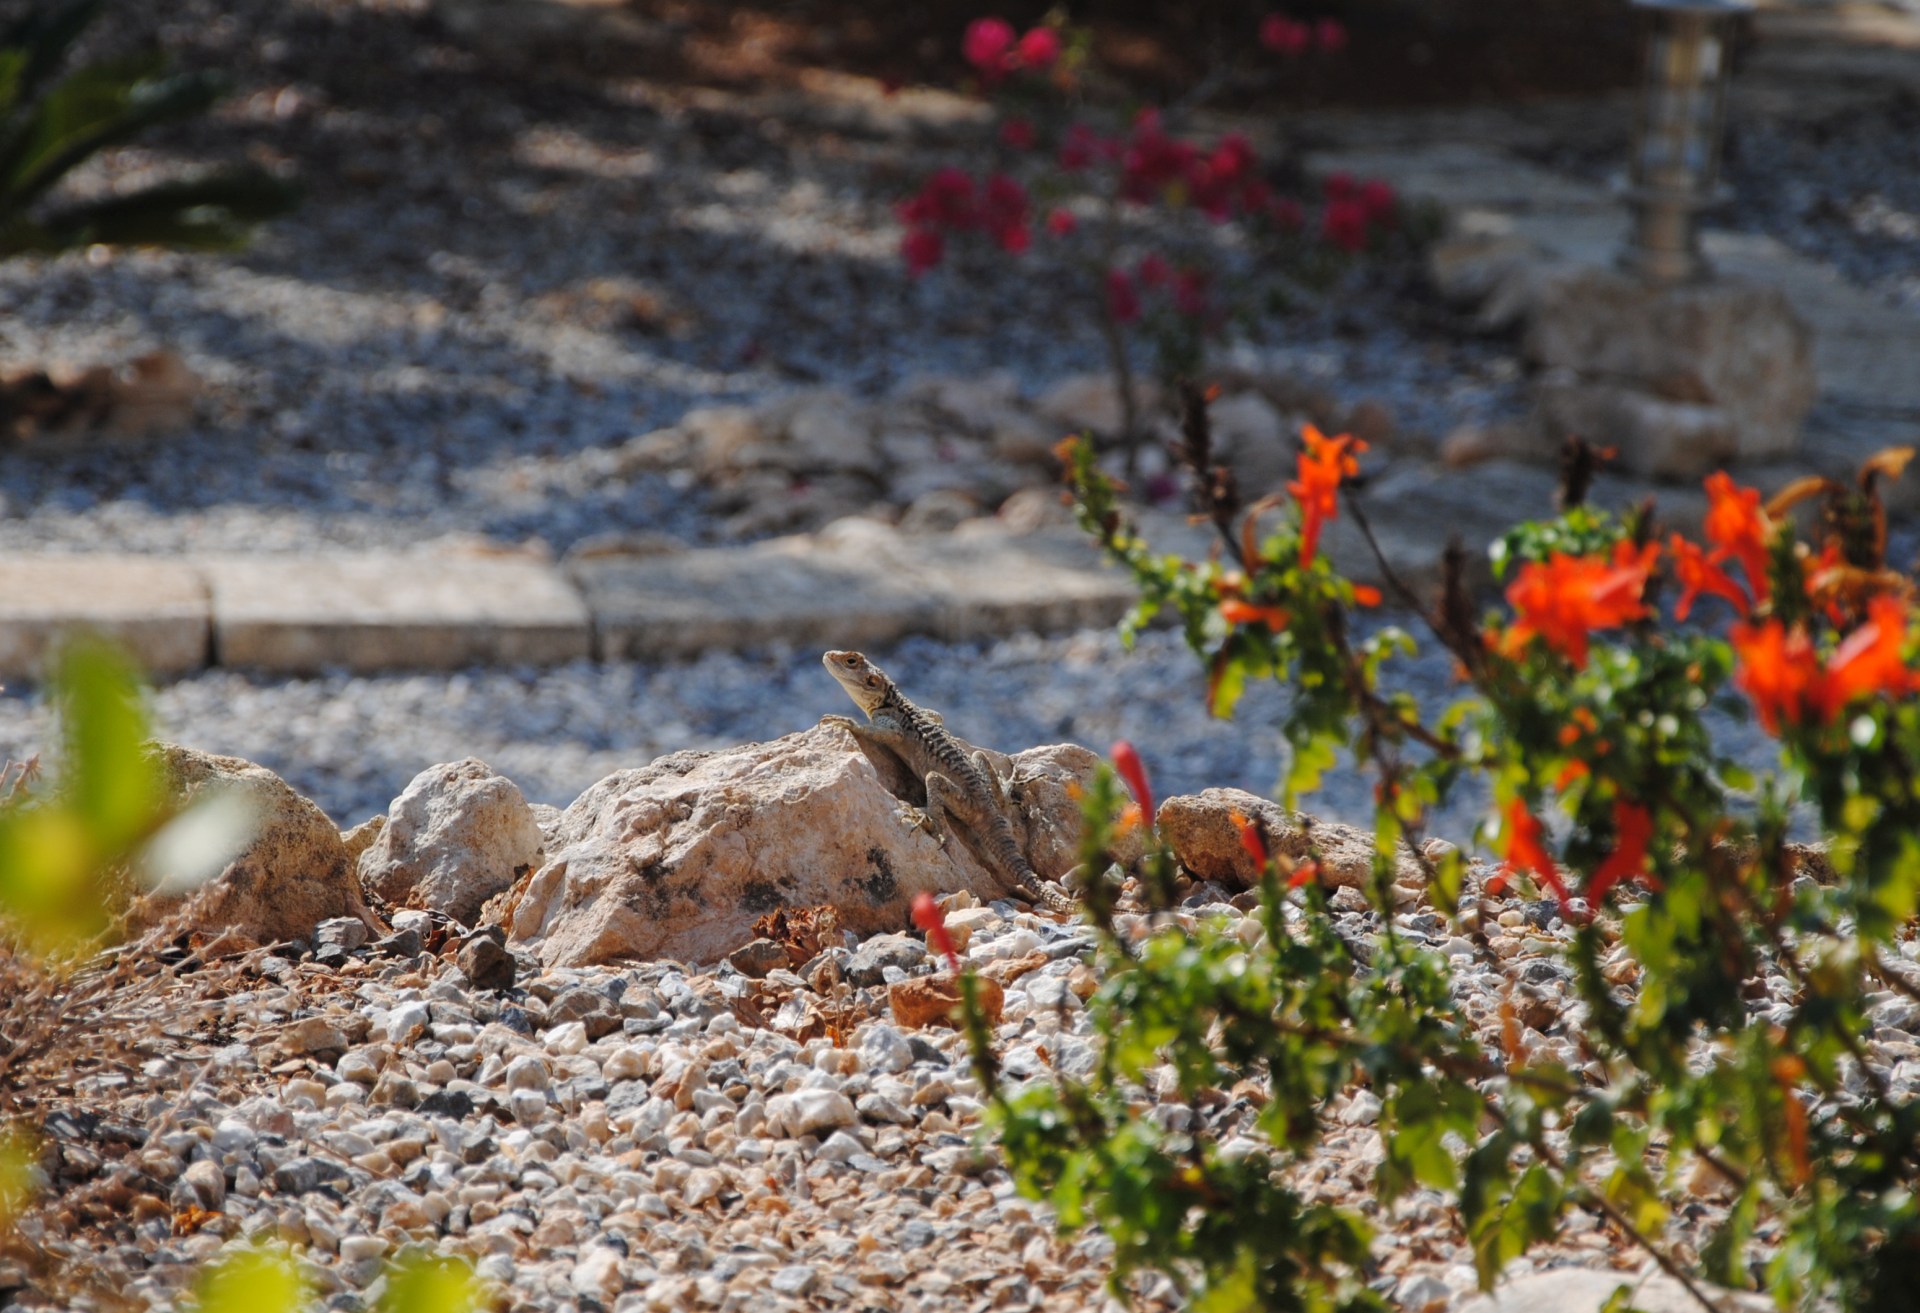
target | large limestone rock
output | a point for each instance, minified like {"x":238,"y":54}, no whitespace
{"x":679,"y":858}
{"x":456,"y":836}
{"x":1664,"y":439}
{"x":1731,"y":346}
{"x":291,"y":876}
{"x":1202,"y":831}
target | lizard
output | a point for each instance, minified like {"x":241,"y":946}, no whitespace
{"x":913,"y":752}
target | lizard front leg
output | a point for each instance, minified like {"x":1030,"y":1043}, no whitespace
{"x":882,"y":747}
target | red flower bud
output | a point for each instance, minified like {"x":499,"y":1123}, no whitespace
{"x":1127,"y":762}
{"x":926,"y":915}
{"x":1038,"y":49}
{"x":986,"y":45}
{"x":1251,"y":840}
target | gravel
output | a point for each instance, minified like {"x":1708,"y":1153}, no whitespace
{"x":718,"y":1147}
{"x":495,"y":278}
{"x":1843,"y":188}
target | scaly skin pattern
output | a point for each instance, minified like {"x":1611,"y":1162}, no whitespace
{"x":958,"y":786}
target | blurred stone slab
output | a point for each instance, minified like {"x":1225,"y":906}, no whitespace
{"x":1586,"y":1290}
{"x":156,"y":608}
{"x":366,"y":613}
{"x":857,"y":583}
{"x":985,"y":582}
{"x":785,"y":590}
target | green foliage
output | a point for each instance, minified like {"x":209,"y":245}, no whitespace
{"x":68,"y":860}
{"x":1585,"y":708}
{"x":60,"y":855}
{"x":267,"y":1280}
{"x":52,"y":123}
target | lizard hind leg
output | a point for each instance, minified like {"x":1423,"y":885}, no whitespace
{"x":946,"y":803}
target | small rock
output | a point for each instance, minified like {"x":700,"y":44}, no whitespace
{"x":927,"y":1000}
{"x":401,"y":943}
{"x":343,"y":932}
{"x":311,"y":1035}
{"x":884,"y":1050}
{"x":485,"y":961}
{"x":1425,"y":1293}
{"x":867,"y":965}
{"x":760,"y":956}
{"x":204,"y":1184}
{"x":793,"y":1281}
{"x":589,"y":1007}
{"x":597,"y":1274}
{"x":526,"y":1072}
{"x":809,"y":1111}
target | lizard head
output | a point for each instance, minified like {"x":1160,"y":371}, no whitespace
{"x":865,"y":682}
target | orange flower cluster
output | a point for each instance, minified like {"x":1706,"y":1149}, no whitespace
{"x":1563,"y":599}
{"x":1238,"y":611}
{"x":1324,"y":463}
{"x":1738,"y":529}
{"x":1789,"y":683}
{"x":1527,"y":849}
{"x":1632,"y":831}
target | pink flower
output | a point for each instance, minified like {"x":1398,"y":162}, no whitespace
{"x":1017,"y":133}
{"x":1211,"y":181}
{"x":1039,"y":49}
{"x":1378,"y":200}
{"x":1080,"y":147}
{"x":1283,"y":36}
{"x":1345,"y":225}
{"x":1339,"y":187}
{"x":1330,"y":35}
{"x":1123,"y":302}
{"x":986,"y":45}
{"x":1232,"y":157}
{"x":1061,"y":222}
{"x":1152,"y":160}
{"x":946,"y":201}
{"x":922,"y":249}
{"x":1287,"y":214}
{"x":1190,"y":293}
{"x":1154,"y":271}
{"x":1003,"y":212}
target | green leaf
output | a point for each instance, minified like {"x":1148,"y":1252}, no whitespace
{"x":251,"y":1281}
{"x":98,"y":106}
{"x":19,"y":1153}
{"x":432,"y":1285}
{"x":33,"y":47}
{"x":216,"y":212}
{"x":113,"y":786}
{"x":197,"y":845}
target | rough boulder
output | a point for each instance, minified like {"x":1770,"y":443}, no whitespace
{"x":679,"y":858}
{"x":1204,"y":834}
{"x":457,"y":835}
{"x":292,"y":875}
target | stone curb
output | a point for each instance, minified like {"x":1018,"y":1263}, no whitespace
{"x":860,"y":583}
{"x":855,"y":583}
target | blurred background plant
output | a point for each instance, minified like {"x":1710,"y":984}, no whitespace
{"x":53,"y":119}
{"x":1235,"y":238}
